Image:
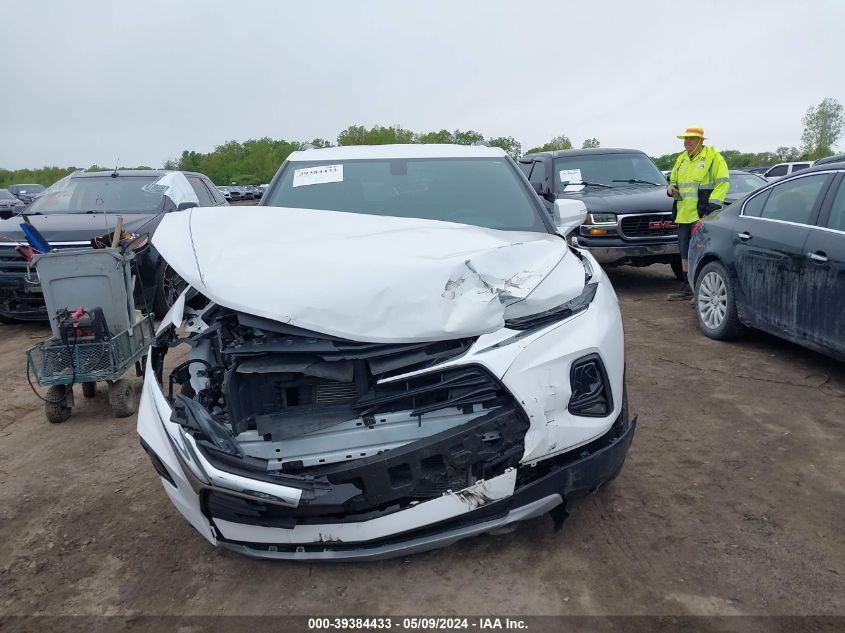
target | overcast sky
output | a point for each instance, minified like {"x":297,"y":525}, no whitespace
{"x":144,"y":80}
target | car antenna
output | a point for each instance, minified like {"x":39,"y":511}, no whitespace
{"x":114,"y":174}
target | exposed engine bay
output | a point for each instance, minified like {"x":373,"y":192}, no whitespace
{"x":371,"y":419}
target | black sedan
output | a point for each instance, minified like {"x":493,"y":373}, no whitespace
{"x":775,"y":261}
{"x":742,"y":183}
{"x":85,"y":205}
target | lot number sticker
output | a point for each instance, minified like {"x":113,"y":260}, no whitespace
{"x":317,"y":175}
{"x":573,"y":176}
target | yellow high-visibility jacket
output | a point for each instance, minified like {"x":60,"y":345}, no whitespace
{"x":707,"y":171}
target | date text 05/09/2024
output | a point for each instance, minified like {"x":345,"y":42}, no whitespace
{"x":416,"y":624}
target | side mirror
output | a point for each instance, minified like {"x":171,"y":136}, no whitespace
{"x":187,"y":205}
{"x":568,"y":215}
{"x":7,"y":214}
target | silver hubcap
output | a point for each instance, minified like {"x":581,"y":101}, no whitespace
{"x":712,"y":300}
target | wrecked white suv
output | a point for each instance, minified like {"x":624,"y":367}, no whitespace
{"x":396,"y":350}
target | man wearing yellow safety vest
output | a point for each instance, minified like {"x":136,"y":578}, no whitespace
{"x":699,"y":183}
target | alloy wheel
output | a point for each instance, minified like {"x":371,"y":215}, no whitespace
{"x":173,"y":285}
{"x":712,"y":300}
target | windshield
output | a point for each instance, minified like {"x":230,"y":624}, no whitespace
{"x":5,"y":195}
{"x":124,"y":194}
{"x":478,"y":191}
{"x":743,"y":183}
{"x":613,"y":170}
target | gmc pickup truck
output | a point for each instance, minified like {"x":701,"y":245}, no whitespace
{"x":629,"y":217}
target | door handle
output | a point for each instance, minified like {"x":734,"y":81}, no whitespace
{"x":818,"y":257}
{"x":744,"y":236}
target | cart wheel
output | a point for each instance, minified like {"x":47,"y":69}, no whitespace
{"x":56,"y":408}
{"x":122,"y":398}
{"x":89,"y":389}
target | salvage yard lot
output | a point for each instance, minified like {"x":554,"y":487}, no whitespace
{"x":730,"y":502}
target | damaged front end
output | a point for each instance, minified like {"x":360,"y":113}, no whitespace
{"x":445,"y":381}
{"x":362,"y":430}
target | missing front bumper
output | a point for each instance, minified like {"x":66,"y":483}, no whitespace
{"x":540,"y":489}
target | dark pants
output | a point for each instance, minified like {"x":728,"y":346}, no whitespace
{"x":684,"y":235}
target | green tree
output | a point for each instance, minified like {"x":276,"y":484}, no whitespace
{"x":467,"y":137}
{"x":443,"y":136}
{"x":508,"y":143}
{"x":822,"y":128}
{"x":590,"y":143}
{"x":666,"y":161}
{"x":787,"y":154}
{"x":557,"y":143}
{"x":378,"y":135}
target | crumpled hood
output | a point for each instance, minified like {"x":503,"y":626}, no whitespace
{"x":368,"y":278}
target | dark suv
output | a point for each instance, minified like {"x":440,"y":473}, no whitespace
{"x":630,"y":215}
{"x":86,"y":205}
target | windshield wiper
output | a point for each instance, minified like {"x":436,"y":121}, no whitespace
{"x":587,"y":184}
{"x":637,"y":180}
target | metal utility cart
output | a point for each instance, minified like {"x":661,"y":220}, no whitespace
{"x":98,"y":278}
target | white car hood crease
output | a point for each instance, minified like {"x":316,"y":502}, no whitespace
{"x":368,"y":278}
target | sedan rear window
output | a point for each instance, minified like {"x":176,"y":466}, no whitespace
{"x":744,"y":183}
{"x":477,"y":191}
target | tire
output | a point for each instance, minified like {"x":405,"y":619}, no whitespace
{"x":169,"y":285}
{"x":715,"y":303}
{"x":677,"y":269}
{"x":89,"y":389}
{"x":8,"y":320}
{"x":55,"y":408}
{"x":122,"y":398}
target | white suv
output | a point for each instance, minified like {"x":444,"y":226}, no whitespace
{"x":395,"y":350}
{"x":785,"y":169}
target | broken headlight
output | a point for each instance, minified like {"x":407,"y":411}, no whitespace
{"x":591,"y":394}
{"x":564,"y":311}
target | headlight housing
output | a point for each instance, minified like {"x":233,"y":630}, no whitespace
{"x":602,"y":218}
{"x":563,"y":311}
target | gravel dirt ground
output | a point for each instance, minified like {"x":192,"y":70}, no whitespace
{"x":730,"y":502}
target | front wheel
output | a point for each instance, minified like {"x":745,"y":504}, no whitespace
{"x":122,"y":398}
{"x":58,"y":403}
{"x":715,"y":303}
{"x":169,"y":285}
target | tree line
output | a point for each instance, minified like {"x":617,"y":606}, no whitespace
{"x":255,"y":161}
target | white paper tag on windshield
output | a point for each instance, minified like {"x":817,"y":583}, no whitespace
{"x":573,"y":176}
{"x":317,"y":175}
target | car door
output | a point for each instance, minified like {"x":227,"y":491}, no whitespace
{"x":823,"y":287}
{"x":769,"y":259}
